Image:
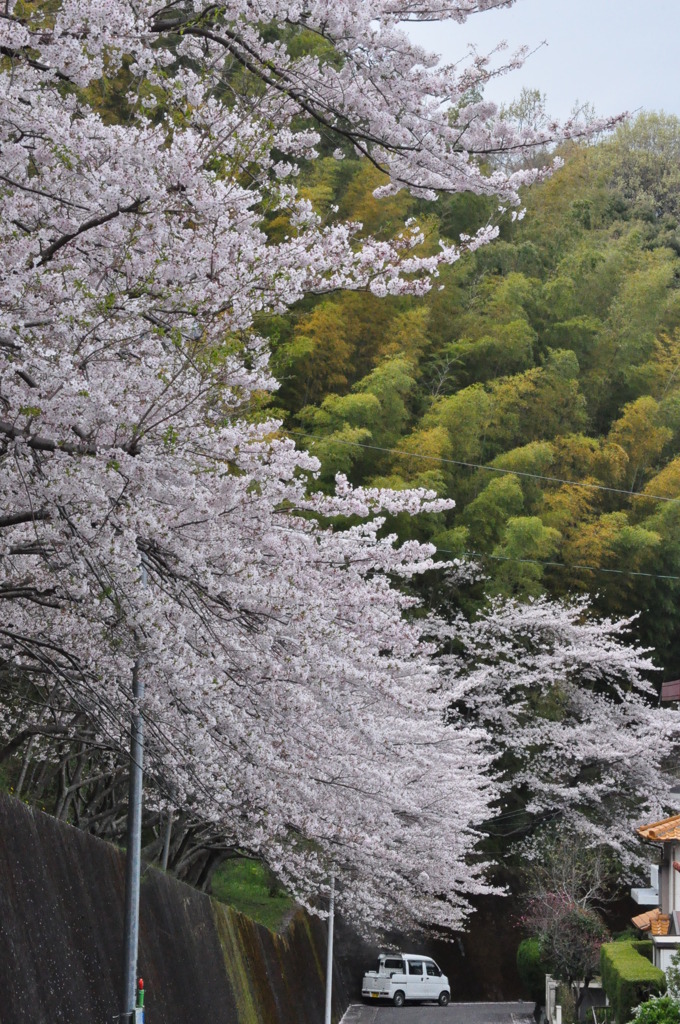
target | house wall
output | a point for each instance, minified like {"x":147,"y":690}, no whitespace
{"x":674,"y":876}
{"x":61,"y":924}
{"x":669,"y":879}
{"x":666,"y":894}
{"x":664,"y":952}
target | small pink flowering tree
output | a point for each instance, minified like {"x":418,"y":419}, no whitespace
{"x":570,"y":937}
{"x":566,"y":888}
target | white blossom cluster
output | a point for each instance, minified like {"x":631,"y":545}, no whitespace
{"x":571,"y":719}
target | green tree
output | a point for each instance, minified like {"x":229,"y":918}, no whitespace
{"x":643,"y":159}
{"x":525,"y":544}
{"x":563,"y":890}
{"x":642,"y":435}
{"x":466,"y":417}
{"x":487,"y":515}
{"x":317,"y":356}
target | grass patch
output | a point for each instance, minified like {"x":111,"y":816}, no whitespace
{"x":247,"y":886}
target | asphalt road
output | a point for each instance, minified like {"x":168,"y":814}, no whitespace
{"x":454,"y":1013}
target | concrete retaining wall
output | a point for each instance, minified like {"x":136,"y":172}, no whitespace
{"x":61,"y":925}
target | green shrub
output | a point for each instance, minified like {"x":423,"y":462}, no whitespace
{"x":663,"y":1010}
{"x":628,"y":978}
{"x":531,"y":969}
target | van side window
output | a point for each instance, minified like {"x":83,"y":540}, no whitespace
{"x":394,"y":965}
{"x":432,"y":970}
{"x":415,"y":967}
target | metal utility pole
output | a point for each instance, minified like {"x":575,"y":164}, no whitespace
{"x":329,"y":952}
{"x":133,"y":860}
{"x":166,"y":843}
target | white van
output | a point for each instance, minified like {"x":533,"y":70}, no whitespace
{"x":404,"y":977}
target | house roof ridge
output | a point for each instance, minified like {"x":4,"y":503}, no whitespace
{"x":666,"y":828}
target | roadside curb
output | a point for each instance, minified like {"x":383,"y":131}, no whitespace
{"x":353,"y":1012}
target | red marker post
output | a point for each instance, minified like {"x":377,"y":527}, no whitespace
{"x":140,"y":994}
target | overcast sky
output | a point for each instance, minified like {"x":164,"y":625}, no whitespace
{"x":617,"y":54}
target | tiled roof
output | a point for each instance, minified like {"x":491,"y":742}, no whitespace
{"x":644,"y":921}
{"x":659,"y":831}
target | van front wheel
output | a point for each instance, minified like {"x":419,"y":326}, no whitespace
{"x":444,"y":998}
{"x":399,"y":998}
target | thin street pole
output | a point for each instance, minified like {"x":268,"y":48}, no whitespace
{"x":133,"y":859}
{"x":329,"y":952}
{"x":166,"y":842}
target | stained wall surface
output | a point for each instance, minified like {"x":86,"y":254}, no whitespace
{"x":61,"y":926}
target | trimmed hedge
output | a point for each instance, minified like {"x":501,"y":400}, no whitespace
{"x":628,"y":977}
{"x":645,"y":947}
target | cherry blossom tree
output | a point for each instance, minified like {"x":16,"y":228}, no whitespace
{"x":572,"y":721}
{"x":293,"y":708}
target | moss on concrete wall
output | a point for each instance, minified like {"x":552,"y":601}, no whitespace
{"x":61,"y":926}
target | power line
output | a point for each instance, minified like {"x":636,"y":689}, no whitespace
{"x":487,"y":469}
{"x":561,"y":565}
{"x":515,"y":558}
{"x":534,"y":476}
{"x":512,"y":472}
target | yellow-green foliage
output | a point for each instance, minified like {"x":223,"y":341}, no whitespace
{"x":553,"y":353}
{"x":531,"y":969}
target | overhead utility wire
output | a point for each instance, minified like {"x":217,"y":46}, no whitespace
{"x":559,"y":565}
{"x":532,"y":476}
{"x":515,"y":558}
{"x":488,"y":469}
{"x":535,"y":476}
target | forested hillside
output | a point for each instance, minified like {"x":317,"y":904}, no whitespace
{"x":538,"y":385}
